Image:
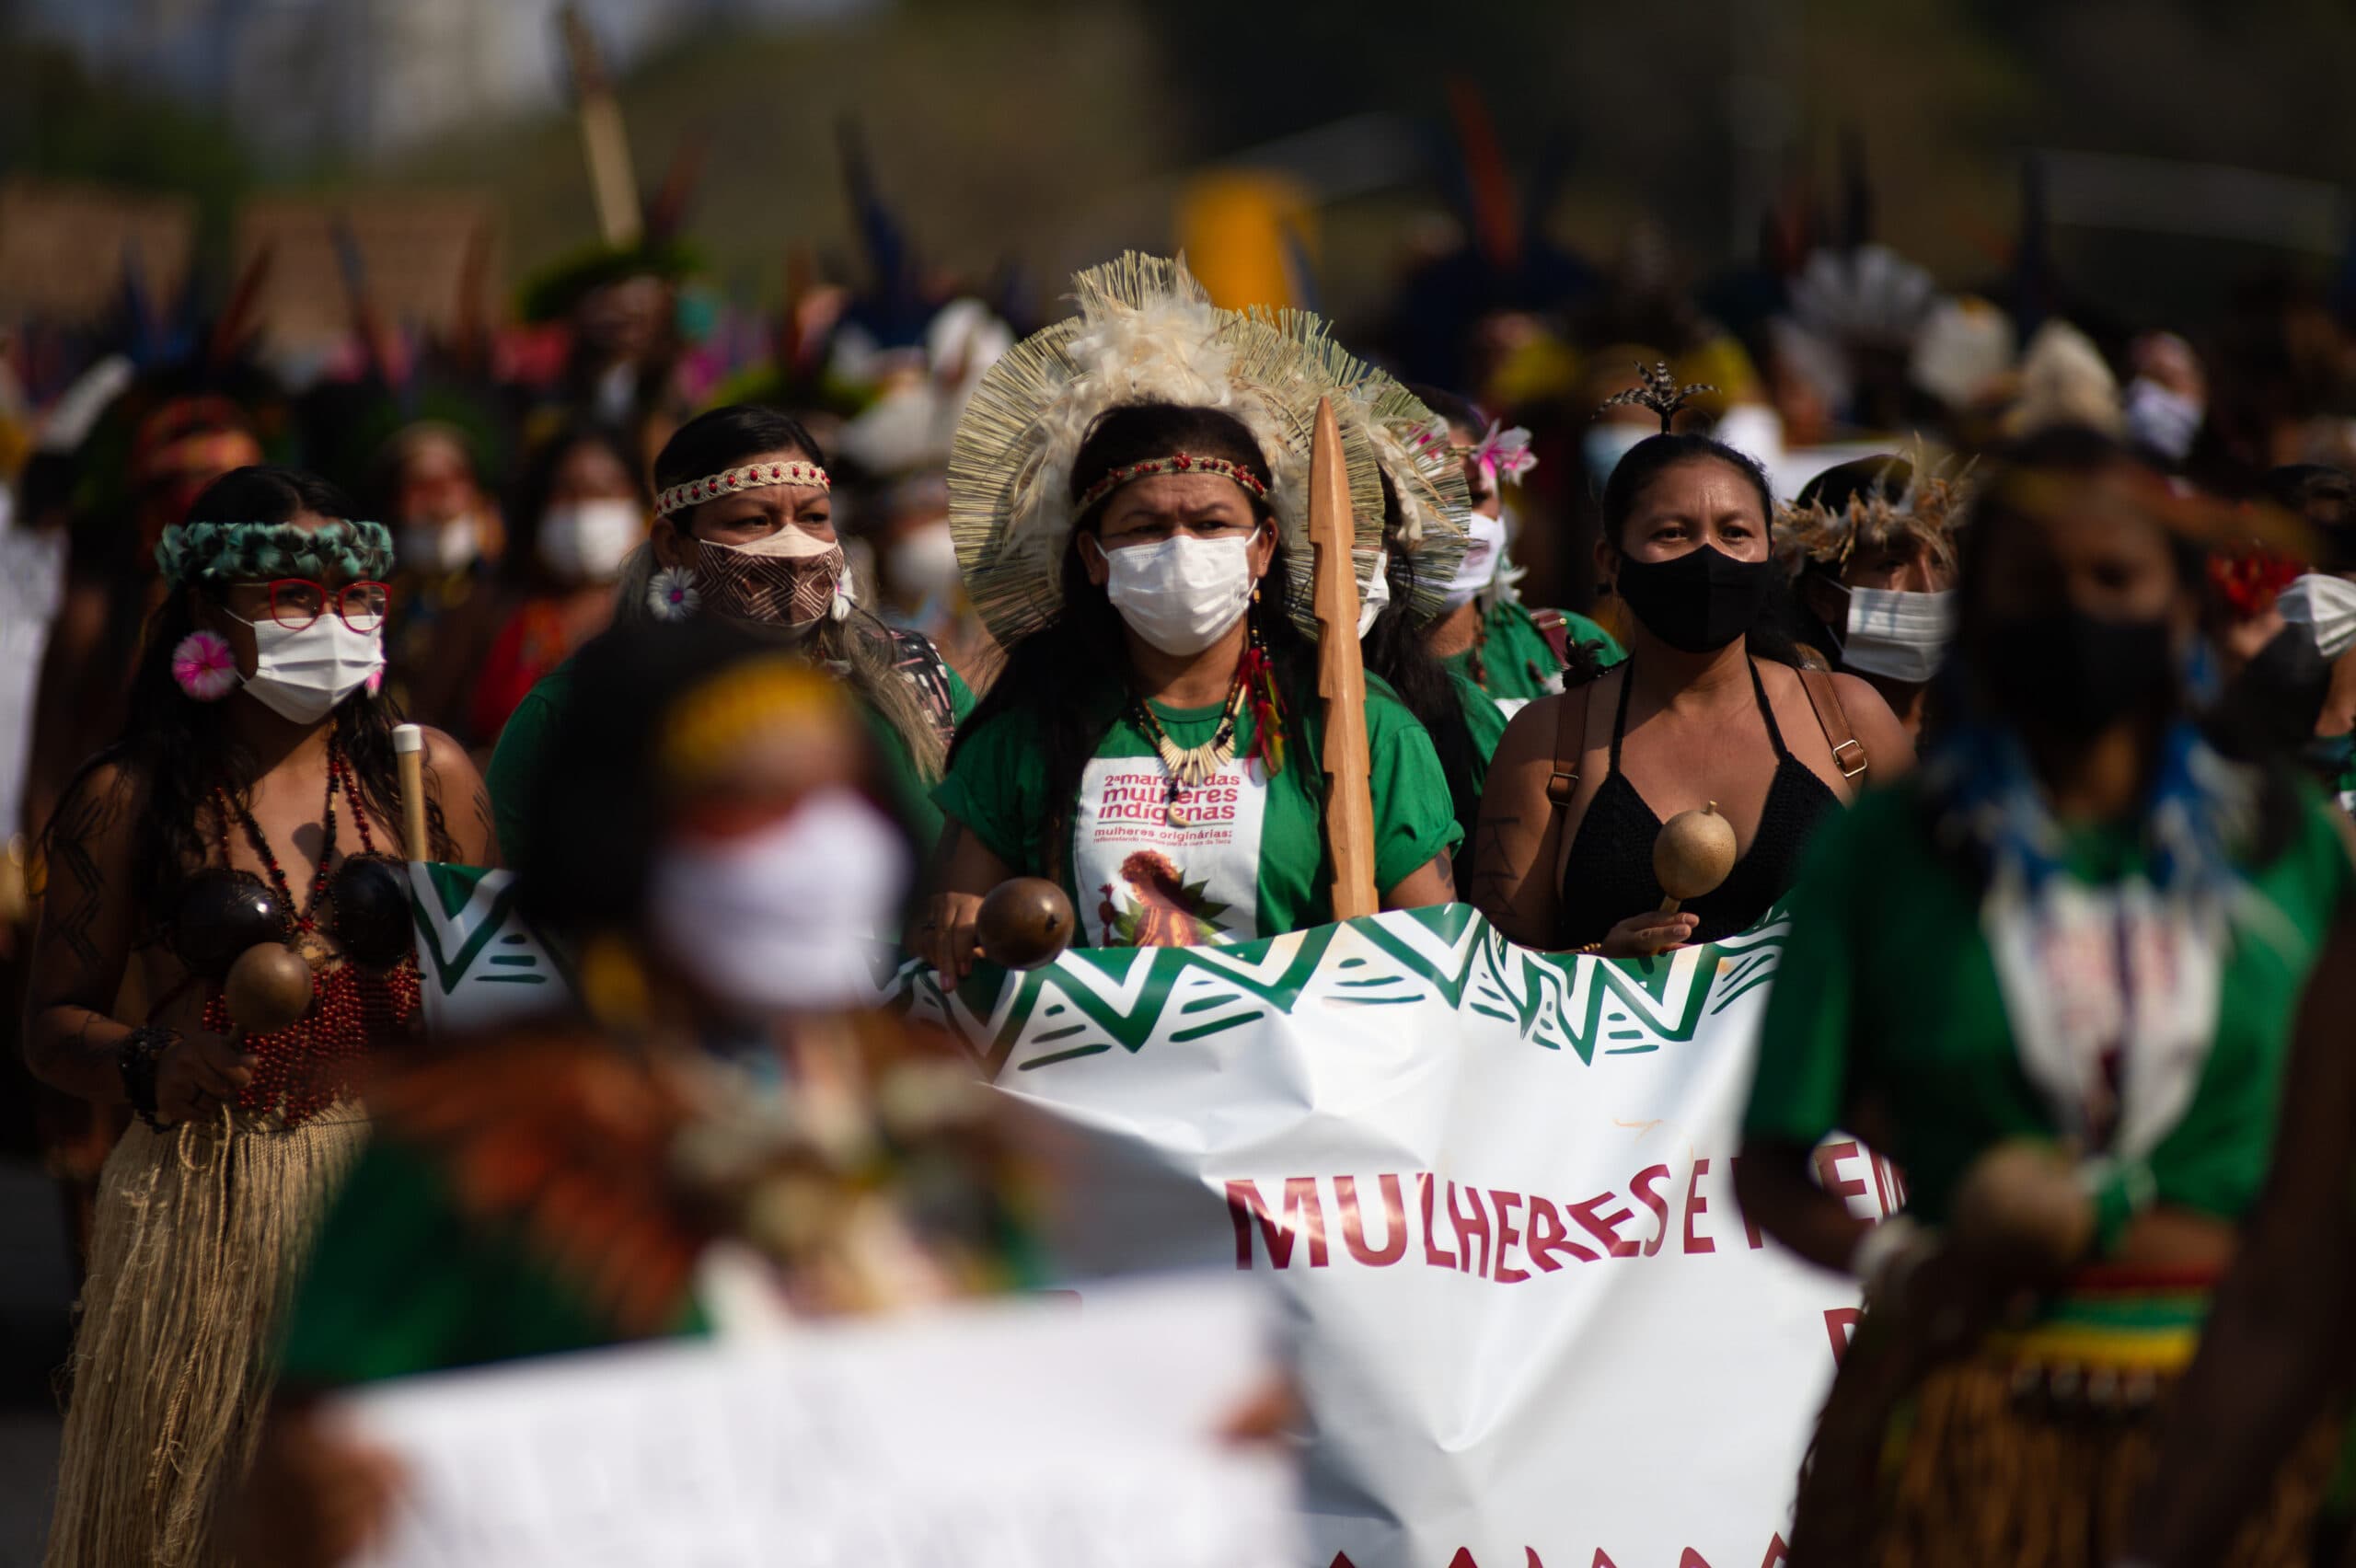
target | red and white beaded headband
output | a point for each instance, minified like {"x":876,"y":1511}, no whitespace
{"x":1176,"y":463}
{"x":678,"y":498}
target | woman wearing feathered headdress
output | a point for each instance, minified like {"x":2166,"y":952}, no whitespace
{"x":1128,"y":490}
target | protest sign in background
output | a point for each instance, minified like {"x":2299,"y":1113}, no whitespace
{"x":1494,"y":1189}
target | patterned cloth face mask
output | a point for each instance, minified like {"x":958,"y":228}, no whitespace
{"x":789,"y":578}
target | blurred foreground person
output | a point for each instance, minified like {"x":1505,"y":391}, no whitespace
{"x":2053,"y":979}
{"x":1153,"y":743}
{"x":744,"y":534}
{"x":721,"y":1137}
{"x":257,"y":761}
{"x":1711,"y":709}
{"x":1875,"y":563}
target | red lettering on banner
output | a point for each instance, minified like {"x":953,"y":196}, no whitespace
{"x":1827,"y":1170}
{"x":1468,"y":1226}
{"x":1464,"y":1559}
{"x":1433,"y":1256}
{"x":1601,"y":1561}
{"x":1695,"y":1204}
{"x":1394,"y":1209}
{"x":1547,"y":1236}
{"x":1841,"y":1322}
{"x":1645,"y":1186}
{"x":1302,"y":1214}
{"x":1777,"y":1552}
{"x":1692,"y":1558}
{"x":1749,"y":1227}
{"x":1504,"y":1273}
{"x":1606,"y":1227}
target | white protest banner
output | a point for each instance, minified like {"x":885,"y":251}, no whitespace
{"x":1496,"y":1191}
{"x":479,"y":962}
{"x":1004,"y":1434}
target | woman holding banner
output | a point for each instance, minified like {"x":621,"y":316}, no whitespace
{"x":1128,"y":489}
{"x":2054,"y":979}
{"x":257,"y":761}
{"x":1711,"y":711}
{"x":745,"y":533}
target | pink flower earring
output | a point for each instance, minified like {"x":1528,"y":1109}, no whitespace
{"x":205,"y":666}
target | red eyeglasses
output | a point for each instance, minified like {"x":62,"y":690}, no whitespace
{"x":297,"y":602}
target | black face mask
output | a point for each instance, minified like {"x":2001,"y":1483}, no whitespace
{"x":1699,"y":601}
{"x":2065,"y":671}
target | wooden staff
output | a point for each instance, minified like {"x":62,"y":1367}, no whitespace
{"x":1341,"y":675}
{"x":612,"y":182}
{"x":408,"y":752}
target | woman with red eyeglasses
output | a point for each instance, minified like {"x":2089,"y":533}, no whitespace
{"x":251,"y":799}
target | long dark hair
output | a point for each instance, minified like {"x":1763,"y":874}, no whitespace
{"x":866,"y":651}
{"x":1062,"y":676}
{"x":1776,"y":635}
{"x":181,"y":751}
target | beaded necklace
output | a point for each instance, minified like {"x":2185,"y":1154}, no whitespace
{"x":1191,"y":767}
{"x":307,"y":1066}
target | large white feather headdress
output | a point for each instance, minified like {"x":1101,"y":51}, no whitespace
{"x":1146,"y":333}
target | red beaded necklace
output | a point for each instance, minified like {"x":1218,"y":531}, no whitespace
{"x":306,"y":1067}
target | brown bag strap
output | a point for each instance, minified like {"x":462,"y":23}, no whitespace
{"x":1569,"y":747}
{"x":1848,"y":752}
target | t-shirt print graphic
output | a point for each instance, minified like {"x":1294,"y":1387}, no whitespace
{"x":1144,"y":882}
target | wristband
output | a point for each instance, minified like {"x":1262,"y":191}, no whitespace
{"x":137,"y":1058}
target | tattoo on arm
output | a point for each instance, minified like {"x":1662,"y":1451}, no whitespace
{"x":1445,"y":868}
{"x":1493,"y":875}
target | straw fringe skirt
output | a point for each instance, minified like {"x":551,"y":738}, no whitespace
{"x":202,"y":1233}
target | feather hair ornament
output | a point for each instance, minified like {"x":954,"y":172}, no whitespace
{"x":1935,"y":505}
{"x":1146,"y":332}
{"x":1657,"y":389}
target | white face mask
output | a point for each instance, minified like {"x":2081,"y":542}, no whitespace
{"x":1375,"y":597}
{"x":1898,"y":636}
{"x":2327,"y":607}
{"x":1604,"y":445}
{"x":788,"y":917}
{"x":587,"y":541}
{"x":438,"y":546}
{"x":303,"y":676}
{"x":2165,"y":421}
{"x":1184,"y":594}
{"x":923,"y":563}
{"x":1479,"y":567}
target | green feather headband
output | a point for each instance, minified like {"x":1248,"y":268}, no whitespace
{"x":259,"y":552}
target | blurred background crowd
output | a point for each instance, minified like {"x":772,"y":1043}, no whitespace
{"x":475,"y":263}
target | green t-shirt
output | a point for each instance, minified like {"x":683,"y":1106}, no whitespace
{"x":1514,"y":662}
{"x":1487,"y":721}
{"x":1250,"y":861}
{"x":517,"y":755}
{"x":402,"y":1281}
{"x":1887,"y":994}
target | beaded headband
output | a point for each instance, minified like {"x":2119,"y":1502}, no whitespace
{"x":678,"y":498}
{"x":1176,"y":463}
{"x":256,"y":552}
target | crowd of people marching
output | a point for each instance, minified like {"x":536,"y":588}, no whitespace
{"x":2019,"y":666}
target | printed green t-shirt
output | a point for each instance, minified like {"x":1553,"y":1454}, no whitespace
{"x":1250,"y":861}
{"x":1887,"y":993}
{"x":1487,"y":721}
{"x":1517,"y":661}
{"x":526,"y":738}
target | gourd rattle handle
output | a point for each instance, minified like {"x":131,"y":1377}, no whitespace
{"x":408,"y":753}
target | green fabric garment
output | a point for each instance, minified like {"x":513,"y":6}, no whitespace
{"x":1515,"y":663}
{"x":521,"y":743}
{"x":1254,"y":862}
{"x":402,"y":1282}
{"x":1887,"y":994}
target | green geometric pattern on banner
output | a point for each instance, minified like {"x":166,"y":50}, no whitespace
{"x":1091,"y":1001}
{"x":462,"y":914}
